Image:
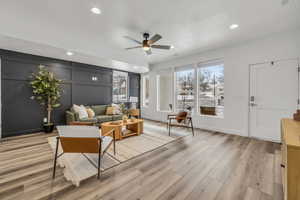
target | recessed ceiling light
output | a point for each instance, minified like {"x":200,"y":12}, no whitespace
{"x":69,"y":53}
{"x":96,"y":10}
{"x":172,"y":47}
{"x":233,"y":26}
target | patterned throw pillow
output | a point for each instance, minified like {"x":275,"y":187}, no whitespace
{"x":81,"y":111}
{"x":90,"y":112}
{"x":110,"y":110}
{"x":117,"y":109}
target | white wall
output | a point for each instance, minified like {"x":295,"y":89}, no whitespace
{"x":236,"y":60}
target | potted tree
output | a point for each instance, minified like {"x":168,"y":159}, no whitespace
{"x":46,"y":90}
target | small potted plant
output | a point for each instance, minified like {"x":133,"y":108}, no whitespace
{"x":46,"y":90}
{"x":125,"y":112}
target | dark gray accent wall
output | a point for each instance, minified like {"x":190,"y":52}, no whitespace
{"x":21,"y":115}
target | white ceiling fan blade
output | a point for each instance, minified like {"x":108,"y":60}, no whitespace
{"x":132,"y":39}
{"x":133,"y":47}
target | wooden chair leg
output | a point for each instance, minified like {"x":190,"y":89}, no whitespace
{"x":55,"y":158}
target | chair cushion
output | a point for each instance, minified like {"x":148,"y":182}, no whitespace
{"x":106,"y":140}
{"x":117,"y":117}
{"x":181,"y":116}
{"x":99,"y":109}
{"x":104,"y":118}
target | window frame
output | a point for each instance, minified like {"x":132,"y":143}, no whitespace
{"x":203,"y":65}
{"x":144,"y":79}
{"x":157,"y":79}
{"x":127,"y":87}
{"x":181,"y":69}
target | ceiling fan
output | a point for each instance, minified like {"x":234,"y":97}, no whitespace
{"x":147,"y":44}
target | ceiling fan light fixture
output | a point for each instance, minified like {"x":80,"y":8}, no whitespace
{"x":146,"y":48}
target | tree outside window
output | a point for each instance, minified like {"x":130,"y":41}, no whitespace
{"x":211,"y":90}
{"x":120,"y":86}
{"x":185,"y":90}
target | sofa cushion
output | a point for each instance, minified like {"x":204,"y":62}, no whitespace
{"x":93,"y":120}
{"x":99,"y":109}
{"x":104,"y":118}
{"x":117,"y":117}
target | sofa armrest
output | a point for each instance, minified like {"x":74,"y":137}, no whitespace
{"x":70,"y":117}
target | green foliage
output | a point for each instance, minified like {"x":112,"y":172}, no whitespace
{"x":46,"y":89}
{"x":124,"y":110}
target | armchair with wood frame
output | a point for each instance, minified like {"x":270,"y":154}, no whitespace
{"x":182,"y":119}
{"x":83,"y":139}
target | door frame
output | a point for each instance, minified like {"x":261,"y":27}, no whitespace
{"x":249,"y":87}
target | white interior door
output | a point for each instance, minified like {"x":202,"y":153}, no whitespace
{"x":273,"y":95}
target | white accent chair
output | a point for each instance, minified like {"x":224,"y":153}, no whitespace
{"x":83,"y":139}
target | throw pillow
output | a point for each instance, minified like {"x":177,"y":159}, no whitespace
{"x":90,"y":112}
{"x":81,"y":111}
{"x":117,"y":109}
{"x":110,"y":110}
{"x":181,"y":116}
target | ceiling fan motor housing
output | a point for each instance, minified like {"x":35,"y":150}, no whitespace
{"x":145,"y":43}
{"x":146,"y":35}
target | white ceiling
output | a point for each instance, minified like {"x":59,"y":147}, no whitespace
{"x":51,"y":27}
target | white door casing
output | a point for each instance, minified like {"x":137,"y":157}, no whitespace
{"x":274,"y":94}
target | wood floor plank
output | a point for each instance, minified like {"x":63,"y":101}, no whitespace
{"x":210,"y":166}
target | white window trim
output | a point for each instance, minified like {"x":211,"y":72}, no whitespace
{"x":207,"y":64}
{"x":127,"y":88}
{"x":185,"y":68}
{"x":157,"y":77}
{"x":143,"y":90}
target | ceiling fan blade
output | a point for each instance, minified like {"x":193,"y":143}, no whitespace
{"x":154,"y":38}
{"x":149,"y":52}
{"x":133,"y":47}
{"x":134,"y":40}
{"x":166,"y":47}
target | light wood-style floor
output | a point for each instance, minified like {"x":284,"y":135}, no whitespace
{"x":209,"y":166}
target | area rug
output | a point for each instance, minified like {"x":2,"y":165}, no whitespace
{"x":78,"y":168}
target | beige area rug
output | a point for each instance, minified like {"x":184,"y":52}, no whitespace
{"x":78,"y":168}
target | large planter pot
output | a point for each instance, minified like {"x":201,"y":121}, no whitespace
{"x":48,"y":128}
{"x":208,"y":110}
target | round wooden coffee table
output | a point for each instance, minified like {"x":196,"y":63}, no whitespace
{"x":124,"y":129}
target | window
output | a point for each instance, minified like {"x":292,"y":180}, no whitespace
{"x":120,"y":86}
{"x":146,"y":91}
{"x":164,"y":91}
{"x":211,"y":89}
{"x":185,"y":90}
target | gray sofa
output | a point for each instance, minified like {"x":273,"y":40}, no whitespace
{"x":100,"y":115}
